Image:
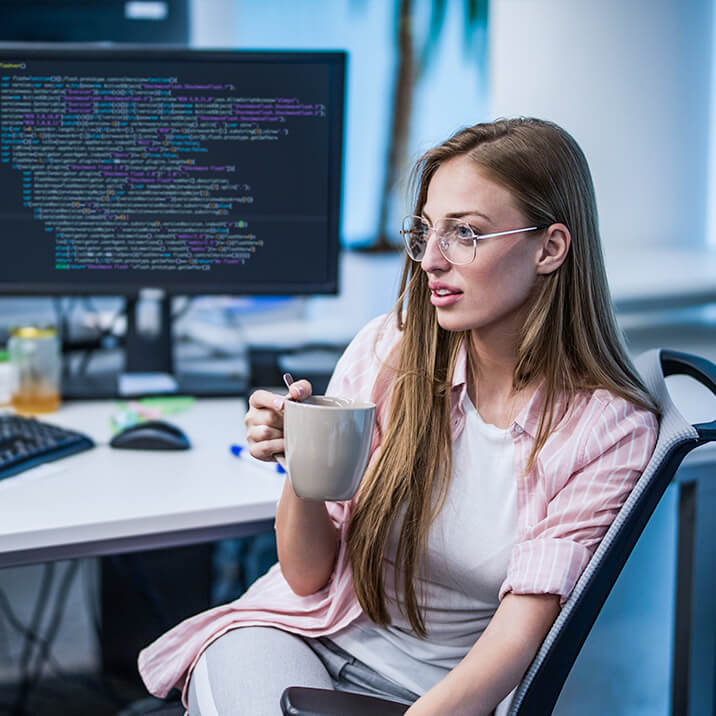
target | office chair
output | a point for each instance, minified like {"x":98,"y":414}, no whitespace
{"x":541,"y":685}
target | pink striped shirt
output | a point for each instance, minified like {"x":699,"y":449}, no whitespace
{"x":565,"y":504}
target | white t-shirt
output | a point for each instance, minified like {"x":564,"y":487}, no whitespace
{"x":468,"y":550}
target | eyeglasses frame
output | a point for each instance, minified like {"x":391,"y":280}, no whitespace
{"x":475,"y":239}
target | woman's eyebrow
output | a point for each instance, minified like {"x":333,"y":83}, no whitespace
{"x":461,"y":214}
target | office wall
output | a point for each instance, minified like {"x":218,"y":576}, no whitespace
{"x":212,"y":23}
{"x":450,"y":94}
{"x":632,"y":82}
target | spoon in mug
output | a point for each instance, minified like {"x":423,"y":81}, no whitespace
{"x":279,"y":457}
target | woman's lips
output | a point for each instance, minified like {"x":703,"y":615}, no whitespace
{"x":444,"y":297}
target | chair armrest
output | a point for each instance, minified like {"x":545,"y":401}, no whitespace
{"x":677,"y":363}
{"x":304,"y":701}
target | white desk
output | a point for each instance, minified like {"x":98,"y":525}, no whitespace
{"x":105,"y":501}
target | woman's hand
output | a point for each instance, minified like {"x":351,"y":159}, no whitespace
{"x":264,"y":420}
{"x":306,"y":538}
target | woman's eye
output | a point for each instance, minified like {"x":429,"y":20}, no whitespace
{"x":463,"y":231}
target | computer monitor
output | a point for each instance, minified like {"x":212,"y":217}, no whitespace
{"x":184,"y":170}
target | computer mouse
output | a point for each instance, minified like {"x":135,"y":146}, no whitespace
{"x":151,"y":435}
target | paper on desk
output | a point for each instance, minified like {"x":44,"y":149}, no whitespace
{"x":139,"y":383}
{"x":134,"y":411}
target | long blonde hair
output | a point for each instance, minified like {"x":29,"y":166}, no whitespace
{"x":570,"y":339}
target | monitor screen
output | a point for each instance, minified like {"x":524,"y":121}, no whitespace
{"x":191,"y":171}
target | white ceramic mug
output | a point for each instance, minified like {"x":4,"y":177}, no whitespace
{"x":327,"y":445}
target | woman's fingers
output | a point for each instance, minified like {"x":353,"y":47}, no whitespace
{"x":297,"y":391}
{"x":264,"y":419}
{"x":266,"y":449}
{"x":264,"y":425}
{"x":300,"y":390}
{"x":264,"y":416}
{"x":262,"y":399}
{"x":260,"y":433}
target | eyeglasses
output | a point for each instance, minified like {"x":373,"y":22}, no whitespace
{"x":457,"y":240}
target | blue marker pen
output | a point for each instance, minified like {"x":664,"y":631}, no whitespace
{"x":243,"y":453}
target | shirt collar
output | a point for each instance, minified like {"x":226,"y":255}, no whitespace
{"x":528,"y":419}
{"x":459,"y":374}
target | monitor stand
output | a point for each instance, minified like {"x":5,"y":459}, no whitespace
{"x":148,"y":347}
{"x":149,"y":362}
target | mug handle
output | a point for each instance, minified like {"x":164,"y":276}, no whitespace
{"x":280,"y":458}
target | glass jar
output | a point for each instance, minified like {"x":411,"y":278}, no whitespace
{"x":35,"y":356}
{"x":6,"y":378}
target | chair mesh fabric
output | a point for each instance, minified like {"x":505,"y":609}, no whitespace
{"x":674,"y":430}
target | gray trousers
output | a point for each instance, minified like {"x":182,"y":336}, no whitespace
{"x":244,"y":673}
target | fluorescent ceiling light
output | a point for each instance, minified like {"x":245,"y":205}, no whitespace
{"x":146,"y":10}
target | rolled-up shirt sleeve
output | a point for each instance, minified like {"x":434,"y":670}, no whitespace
{"x":554,"y":550}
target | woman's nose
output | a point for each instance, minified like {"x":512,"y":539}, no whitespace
{"x":433,"y":260}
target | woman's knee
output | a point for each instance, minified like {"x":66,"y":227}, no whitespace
{"x":245,"y":671}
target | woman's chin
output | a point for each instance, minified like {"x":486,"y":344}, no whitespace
{"x":453,"y":323}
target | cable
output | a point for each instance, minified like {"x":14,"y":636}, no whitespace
{"x":55,"y":621}
{"x":48,"y":574}
{"x":27,"y":633}
{"x":102,"y":335}
{"x":188,"y":303}
{"x":45,"y":657}
{"x":13,"y":620}
{"x":64,"y":315}
{"x":41,"y":602}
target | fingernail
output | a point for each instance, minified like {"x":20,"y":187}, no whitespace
{"x":300,"y":390}
{"x":278,"y":404}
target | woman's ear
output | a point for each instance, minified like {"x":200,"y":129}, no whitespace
{"x":553,"y":249}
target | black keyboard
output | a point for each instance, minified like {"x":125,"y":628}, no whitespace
{"x":26,"y":442}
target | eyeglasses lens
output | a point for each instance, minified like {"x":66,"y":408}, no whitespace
{"x":415,"y":234}
{"x":456,"y":239}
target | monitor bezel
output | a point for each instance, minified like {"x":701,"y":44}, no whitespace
{"x":103,"y":51}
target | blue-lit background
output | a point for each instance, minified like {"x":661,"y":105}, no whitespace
{"x":449,"y":93}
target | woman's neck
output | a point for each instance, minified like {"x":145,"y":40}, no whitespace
{"x":492,"y":392}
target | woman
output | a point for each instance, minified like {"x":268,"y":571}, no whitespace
{"x":511,"y":427}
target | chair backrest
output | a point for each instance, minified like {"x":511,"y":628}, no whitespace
{"x":539,"y":689}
